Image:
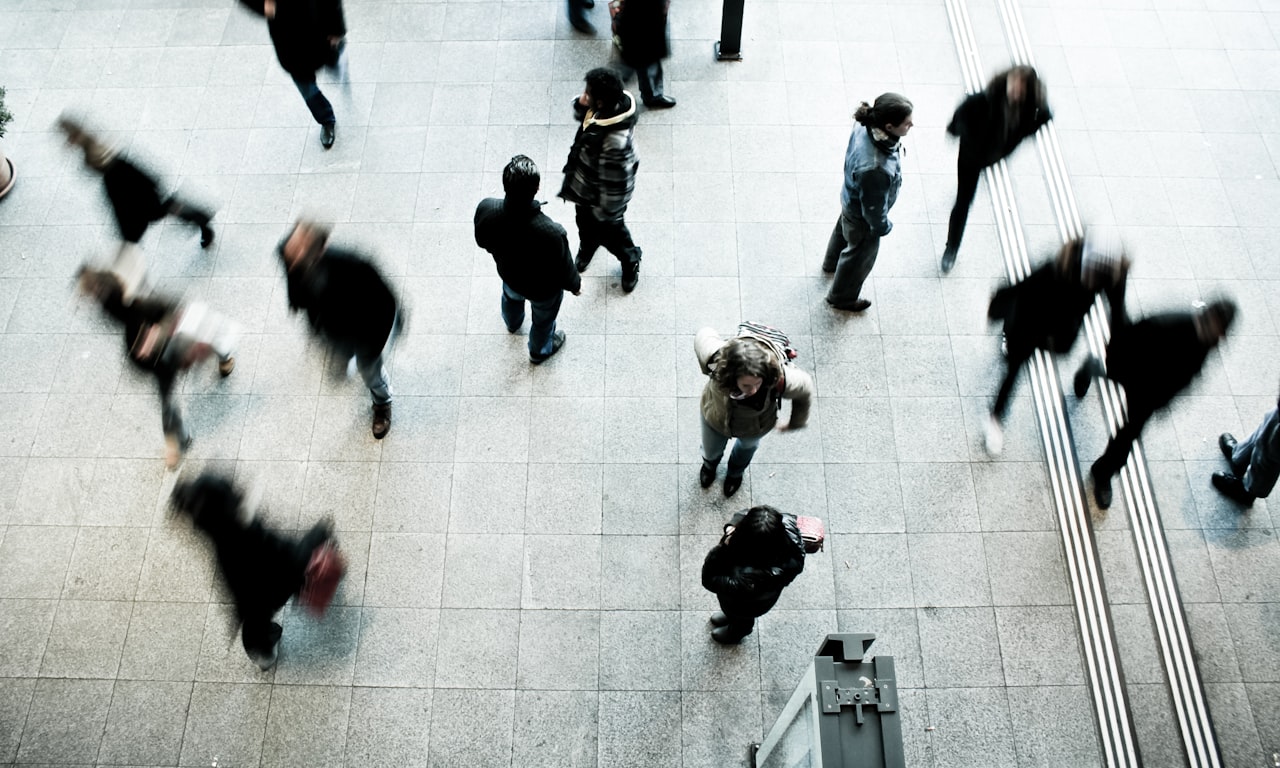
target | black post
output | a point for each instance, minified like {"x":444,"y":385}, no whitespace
{"x":729,"y":46}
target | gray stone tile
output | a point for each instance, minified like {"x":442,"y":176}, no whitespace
{"x":53,"y":492}
{"x":949,"y":569}
{"x":1238,"y":563}
{"x":554,"y":728}
{"x":477,"y":649}
{"x":1055,"y":725}
{"x":939,"y":498}
{"x":964,"y":716}
{"x":481,"y":419}
{"x":34,"y":559}
{"x":897,"y":635}
{"x":24,"y":630}
{"x":640,"y":572}
{"x":788,"y":641}
{"x":163,"y":642}
{"x":65,"y":721}
{"x":86,"y":639}
{"x":1230,"y":702}
{"x":483,"y":570}
{"x":397,"y":647}
{"x":1033,"y":645}
{"x":413,"y":498}
{"x":640,"y":729}
{"x":341,"y":491}
{"x":561,"y":572}
{"x":960,"y":645}
{"x":145,"y":723}
{"x":559,"y":650}
{"x":858,"y":430}
{"x":1253,"y":645}
{"x":864,"y":498}
{"x":391,"y":728}
{"x":569,"y":430}
{"x":406,"y":570}
{"x":1013,"y":496}
{"x":319,"y":651}
{"x":717,"y":726}
{"x":640,"y":650}
{"x":1026,"y":568}
{"x":222,"y":655}
{"x":307,"y":725}
{"x":870,"y":570}
{"x":15,"y":700}
{"x":639,"y":430}
{"x":563,"y":498}
{"x":709,"y":666}
{"x":471,"y":727}
{"x":640,"y":499}
{"x":425,"y":429}
{"x":105,"y":564}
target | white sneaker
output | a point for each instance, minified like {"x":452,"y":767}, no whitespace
{"x":993,"y":438}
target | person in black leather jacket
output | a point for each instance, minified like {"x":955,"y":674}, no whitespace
{"x":760,"y":553}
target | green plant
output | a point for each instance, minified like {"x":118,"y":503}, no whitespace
{"x":5,"y":115}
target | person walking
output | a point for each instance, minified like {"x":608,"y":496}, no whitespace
{"x":578,"y":16}
{"x":1255,"y":463}
{"x":748,"y":377}
{"x":348,"y":304}
{"x":872,"y":178}
{"x":532,"y":255}
{"x":136,"y":202}
{"x":1046,"y":309}
{"x":308,"y":35}
{"x":760,"y":553}
{"x":1153,"y":359}
{"x":600,"y":173}
{"x":644,"y":41}
{"x":990,"y":125}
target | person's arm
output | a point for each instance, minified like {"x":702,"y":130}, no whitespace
{"x":873,"y":186}
{"x":963,"y":119}
{"x":332,"y":22}
{"x":705,"y":344}
{"x":799,"y":390}
{"x":572,"y":279}
{"x":1115,"y":297}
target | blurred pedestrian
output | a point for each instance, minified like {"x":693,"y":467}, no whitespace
{"x":348,"y":304}
{"x":308,"y":35}
{"x":1153,"y":359}
{"x":643,"y":40}
{"x":578,"y":16}
{"x":600,"y":174}
{"x":1046,"y":309}
{"x":748,"y":377}
{"x":164,"y":338}
{"x":532,"y":254}
{"x":1255,"y":463}
{"x":990,"y":124}
{"x":261,"y":569}
{"x":760,"y":553}
{"x":872,"y":178}
{"x":136,"y":201}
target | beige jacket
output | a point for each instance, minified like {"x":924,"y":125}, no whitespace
{"x":730,"y":417}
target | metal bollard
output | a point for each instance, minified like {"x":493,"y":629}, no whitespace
{"x":729,"y":46}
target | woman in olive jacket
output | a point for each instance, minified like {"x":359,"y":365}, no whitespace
{"x":759,"y":555}
{"x":748,"y":377}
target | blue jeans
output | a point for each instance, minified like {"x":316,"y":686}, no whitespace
{"x":713,"y":445}
{"x":543,"y":324}
{"x":320,"y":107}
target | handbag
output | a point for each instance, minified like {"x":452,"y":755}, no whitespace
{"x":813,"y":533}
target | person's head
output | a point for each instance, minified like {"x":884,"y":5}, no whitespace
{"x":761,"y":537}
{"x":305,"y":243}
{"x":211,"y":501}
{"x":520,"y":179}
{"x":891,"y":113}
{"x":99,"y":284}
{"x":1020,"y":83}
{"x":1213,"y":320}
{"x":744,"y":367}
{"x":97,"y":154}
{"x":604,"y":88}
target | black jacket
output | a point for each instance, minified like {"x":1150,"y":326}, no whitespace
{"x":642,"y":32}
{"x":751,"y":589}
{"x":980,"y":122}
{"x":1046,"y":309}
{"x":531,"y":250}
{"x":1155,"y":358}
{"x":135,"y":198}
{"x":136,"y":317}
{"x":346,"y":300}
{"x":300,"y":32}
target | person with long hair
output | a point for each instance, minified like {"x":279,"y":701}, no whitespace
{"x":760,"y":553}
{"x":872,"y":178}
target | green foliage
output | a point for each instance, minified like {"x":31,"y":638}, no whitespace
{"x":5,"y":115}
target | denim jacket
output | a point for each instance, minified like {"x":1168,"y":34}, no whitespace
{"x":872,"y":178}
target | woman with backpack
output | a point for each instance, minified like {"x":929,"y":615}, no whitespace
{"x":760,"y":553}
{"x":748,"y":377}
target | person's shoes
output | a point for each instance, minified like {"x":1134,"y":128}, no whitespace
{"x":993,"y":437}
{"x":206,"y":236}
{"x":660,"y":102}
{"x":557,"y":341}
{"x":731,"y":485}
{"x":174,"y":450}
{"x":724,"y":637}
{"x":1091,"y":368}
{"x":718,"y":619}
{"x":948,"y":260}
{"x":1233,"y":488}
{"x":1101,"y":488}
{"x":581,"y":24}
{"x":588,"y":4}
{"x":266,"y":662}
{"x":706,"y":475}
{"x":515,"y":329}
{"x":826,"y":271}
{"x":225,"y":367}
{"x":583,"y":261}
{"x":861,"y":305}
{"x":327,"y":134}
{"x":630,"y":275}
{"x":381,"y":420}
{"x":1227,"y":442}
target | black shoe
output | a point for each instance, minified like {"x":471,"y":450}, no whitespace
{"x":724,"y":637}
{"x":1231,"y":486}
{"x":706,"y":475}
{"x":948,"y":259}
{"x":630,"y":276}
{"x":327,"y":134}
{"x":718,"y":619}
{"x":731,"y":485}
{"x":861,"y":305}
{"x":583,"y":261}
{"x":1227,"y":442}
{"x":557,"y":341}
{"x":206,"y":236}
{"x":1101,"y":488}
{"x":581,"y":24}
{"x":1084,"y":377}
{"x":588,"y":4}
{"x":381,"y":421}
{"x":660,"y":102}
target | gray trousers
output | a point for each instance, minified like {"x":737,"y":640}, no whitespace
{"x":851,"y":253}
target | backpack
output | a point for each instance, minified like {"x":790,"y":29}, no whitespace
{"x":777,"y":339}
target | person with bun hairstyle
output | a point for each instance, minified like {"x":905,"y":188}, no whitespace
{"x":872,"y":177}
{"x":990,"y":125}
{"x":760,"y":553}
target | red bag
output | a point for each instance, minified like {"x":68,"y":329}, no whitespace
{"x":812,"y":532}
{"x":324,"y":572}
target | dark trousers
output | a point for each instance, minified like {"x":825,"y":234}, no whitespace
{"x":1117,"y":452}
{"x":612,"y":235}
{"x":259,"y":633}
{"x":650,"y":81}
{"x":320,"y":107}
{"x":742,"y":614}
{"x":851,"y":253}
{"x":543,"y":326}
{"x":967,"y":174}
{"x":1014,"y":362}
{"x":133,"y":223}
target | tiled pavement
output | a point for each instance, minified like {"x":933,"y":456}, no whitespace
{"x":526,"y":543}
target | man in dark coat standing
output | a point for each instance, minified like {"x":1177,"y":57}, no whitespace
{"x":307,"y":35}
{"x":348,"y":304}
{"x":600,"y":174}
{"x":643,"y":40}
{"x":1153,"y":359}
{"x":532,"y":254}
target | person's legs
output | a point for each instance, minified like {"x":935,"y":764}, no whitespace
{"x":374,"y":372}
{"x":1258,"y":477}
{"x":588,"y":236}
{"x":261,"y":637}
{"x":735,"y":628}
{"x":512,"y":309}
{"x":854,"y":264}
{"x":740,"y":457}
{"x":1013,"y":365}
{"x":967,"y":175}
{"x":542,"y":327}
{"x":192,"y":215}
{"x":1116,"y":454}
{"x":835,"y":246}
{"x":320,"y":107}
{"x":713,"y":444}
{"x":177,"y":438}
{"x":616,"y":239}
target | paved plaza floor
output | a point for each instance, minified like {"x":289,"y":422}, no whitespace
{"x":526,"y":544}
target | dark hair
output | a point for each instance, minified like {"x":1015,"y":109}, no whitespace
{"x":520,"y":178}
{"x":604,"y":86}
{"x":889,"y":109}
{"x":744,"y":357}
{"x":1221,"y":313}
{"x":761,"y":538}
{"x":998,"y":85}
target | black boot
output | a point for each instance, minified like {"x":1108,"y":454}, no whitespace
{"x":1233,"y":488}
{"x":1227,"y":442}
{"x":630,"y":275}
{"x":707,"y":475}
{"x":1101,"y":487}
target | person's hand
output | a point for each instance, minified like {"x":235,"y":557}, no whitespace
{"x":335,"y":41}
{"x":577,"y":292}
{"x":583,"y":100}
{"x":269,"y":8}
{"x":783,"y":426}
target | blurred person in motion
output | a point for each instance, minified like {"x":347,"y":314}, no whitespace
{"x":1255,"y":462}
{"x":308,"y":35}
{"x":532,"y":255}
{"x":348,"y":304}
{"x":872,"y":178}
{"x":260,"y":568}
{"x":643,"y":40}
{"x":760,"y":553}
{"x":1046,"y":309}
{"x":1154,"y":359}
{"x":600,"y":173}
{"x":164,"y":338}
{"x":136,"y":201}
{"x":578,"y":16}
{"x":990,"y":125}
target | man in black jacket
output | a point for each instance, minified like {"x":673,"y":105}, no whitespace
{"x":307,"y":35}
{"x":532,"y":254}
{"x":644,"y":42}
{"x":348,"y":304}
{"x":1153,"y":359}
